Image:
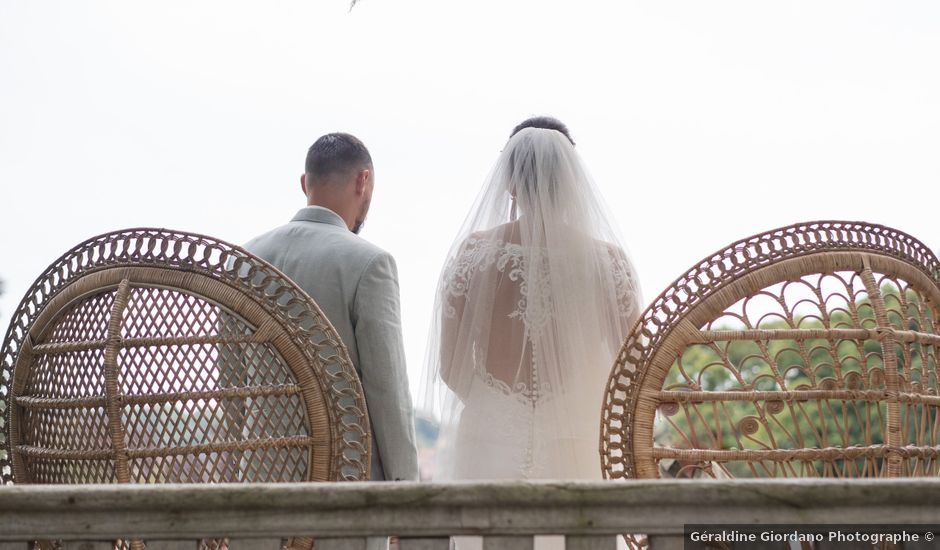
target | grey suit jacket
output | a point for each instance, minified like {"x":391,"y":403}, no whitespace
{"x":355,"y":283}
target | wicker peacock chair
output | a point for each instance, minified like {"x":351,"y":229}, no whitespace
{"x":153,"y":356}
{"x":808,"y":351}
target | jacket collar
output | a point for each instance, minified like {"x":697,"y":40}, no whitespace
{"x":319,"y":214}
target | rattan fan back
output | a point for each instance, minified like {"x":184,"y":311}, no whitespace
{"x":811,"y":350}
{"x":150,"y":356}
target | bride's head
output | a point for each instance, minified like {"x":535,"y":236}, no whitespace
{"x":546,"y":122}
{"x":539,"y":166}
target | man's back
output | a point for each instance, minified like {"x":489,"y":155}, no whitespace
{"x":355,"y":283}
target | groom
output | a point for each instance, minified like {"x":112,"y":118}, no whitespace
{"x":355,"y":283}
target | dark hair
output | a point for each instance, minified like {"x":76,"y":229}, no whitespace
{"x":546,"y":122}
{"x":336,"y":153}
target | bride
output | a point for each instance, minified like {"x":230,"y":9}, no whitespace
{"x":532,"y":306}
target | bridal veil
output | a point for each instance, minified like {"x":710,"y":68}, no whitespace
{"x":532,"y":305}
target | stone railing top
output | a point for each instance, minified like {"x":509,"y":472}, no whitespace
{"x":436,"y":509}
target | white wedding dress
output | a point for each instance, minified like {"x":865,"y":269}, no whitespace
{"x":532,"y":307}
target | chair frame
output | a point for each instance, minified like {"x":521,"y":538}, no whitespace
{"x":674,"y":320}
{"x":222,"y":274}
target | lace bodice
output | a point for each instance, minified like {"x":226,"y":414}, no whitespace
{"x":534,"y":306}
{"x":481,"y":254}
{"x":509,"y":289}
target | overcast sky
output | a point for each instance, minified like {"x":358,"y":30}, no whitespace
{"x":702,"y":122}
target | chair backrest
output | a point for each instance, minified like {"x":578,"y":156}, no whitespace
{"x":150,"y":356}
{"x":810,"y":350}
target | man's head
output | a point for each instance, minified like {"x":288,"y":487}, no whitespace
{"x":338,"y":175}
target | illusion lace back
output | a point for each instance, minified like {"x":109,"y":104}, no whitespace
{"x":520,"y":420}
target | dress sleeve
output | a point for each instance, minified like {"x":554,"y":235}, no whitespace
{"x":454,"y":288}
{"x":377,"y":319}
{"x":626,"y":286}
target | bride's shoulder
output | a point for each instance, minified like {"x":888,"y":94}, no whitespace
{"x":501,"y":234}
{"x":613,"y":251}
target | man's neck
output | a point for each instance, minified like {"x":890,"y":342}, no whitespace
{"x":336,"y":208}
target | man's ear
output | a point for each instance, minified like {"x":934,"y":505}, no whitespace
{"x":303,"y":183}
{"x":362,"y":178}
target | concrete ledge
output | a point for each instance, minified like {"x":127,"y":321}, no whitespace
{"x":100,"y":512}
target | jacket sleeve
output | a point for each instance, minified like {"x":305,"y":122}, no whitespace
{"x":377,"y":322}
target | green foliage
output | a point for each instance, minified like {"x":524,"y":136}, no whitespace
{"x":796,"y":365}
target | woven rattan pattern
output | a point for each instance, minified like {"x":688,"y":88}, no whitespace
{"x":149,"y":355}
{"x":810,"y":350}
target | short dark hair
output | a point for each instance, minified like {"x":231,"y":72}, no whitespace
{"x":336,"y":153}
{"x":546,"y":122}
